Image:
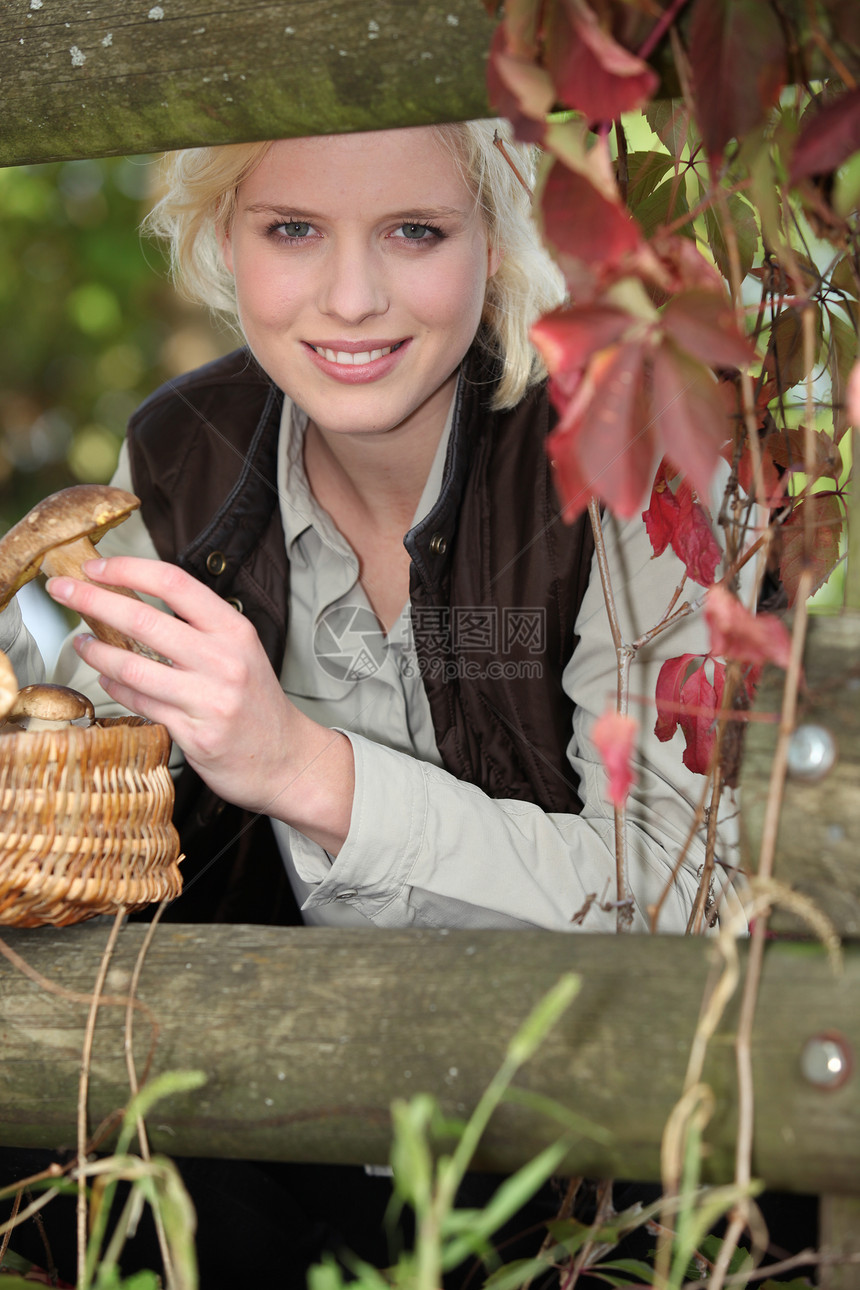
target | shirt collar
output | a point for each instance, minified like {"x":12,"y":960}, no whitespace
{"x":300,"y":510}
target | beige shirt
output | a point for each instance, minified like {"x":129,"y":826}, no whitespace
{"x":425,"y":849}
{"x":19,"y":647}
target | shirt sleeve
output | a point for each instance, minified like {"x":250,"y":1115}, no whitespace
{"x":426,"y":849}
{"x":19,"y":647}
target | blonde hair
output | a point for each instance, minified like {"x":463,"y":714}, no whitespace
{"x":200,"y":187}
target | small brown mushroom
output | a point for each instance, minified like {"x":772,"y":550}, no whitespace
{"x":57,"y":537}
{"x":48,"y":707}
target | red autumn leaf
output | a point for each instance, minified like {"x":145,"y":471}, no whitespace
{"x":738,"y":59}
{"x":593,"y":73}
{"x":572,"y":485}
{"x":518,"y":89}
{"x":687,"y":699}
{"x":581,"y":222}
{"x":674,"y":516}
{"x":691,"y":419}
{"x":700,"y":702}
{"x":662,"y":513}
{"x":830,"y":138}
{"x":520,"y":21}
{"x":567,"y":338}
{"x":824,"y":512}
{"x":603,"y":447}
{"x":772,"y":484}
{"x":693,"y":540}
{"x":741,"y":636}
{"x":614,"y":737}
{"x":682,"y":265}
{"x":672,"y":675}
{"x":704,"y":324}
{"x":788,"y":448}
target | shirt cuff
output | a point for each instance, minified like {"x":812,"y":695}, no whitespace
{"x":386,"y":831}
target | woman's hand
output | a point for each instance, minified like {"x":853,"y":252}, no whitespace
{"x":220,"y":699}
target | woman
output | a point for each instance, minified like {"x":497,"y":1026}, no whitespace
{"x":403,"y":701}
{"x":380,"y":452}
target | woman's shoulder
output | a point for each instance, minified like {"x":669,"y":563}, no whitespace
{"x":235,"y":377}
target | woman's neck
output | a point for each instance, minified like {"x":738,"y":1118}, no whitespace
{"x":380,"y":477}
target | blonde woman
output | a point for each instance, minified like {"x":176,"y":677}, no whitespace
{"x":385,"y":640}
{"x":386,"y":647}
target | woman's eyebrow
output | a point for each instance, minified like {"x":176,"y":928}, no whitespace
{"x":297,"y":214}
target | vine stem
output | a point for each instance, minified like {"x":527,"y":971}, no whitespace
{"x":83,"y":1088}
{"x":770,"y":829}
{"x":662,"y":25}
{"x":143,"y":1137}
{"x":623,"y":657}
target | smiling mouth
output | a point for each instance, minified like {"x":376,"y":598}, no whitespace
{"x":344,"y":359}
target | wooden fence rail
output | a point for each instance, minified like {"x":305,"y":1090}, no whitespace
{"x":306,"y":1036}
{"x":90,"y":78}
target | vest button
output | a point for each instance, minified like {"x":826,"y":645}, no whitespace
{"x":236,"y":603}
{"x":216,"y":562}
{"x":438,"y":544}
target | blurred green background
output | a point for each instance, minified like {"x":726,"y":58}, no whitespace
{"x":89,"y":324}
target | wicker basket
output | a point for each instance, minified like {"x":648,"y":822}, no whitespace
{"x":85,"y":822}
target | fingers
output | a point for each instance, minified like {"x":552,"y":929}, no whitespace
{"x":187,"y":639}
{"x":188,"y":598}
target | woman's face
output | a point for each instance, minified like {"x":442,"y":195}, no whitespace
{"x":360,"y":264}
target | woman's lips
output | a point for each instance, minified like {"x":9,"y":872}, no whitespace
{"x":357,"y":361}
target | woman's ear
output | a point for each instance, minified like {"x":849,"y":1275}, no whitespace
{"x":494,"y":260}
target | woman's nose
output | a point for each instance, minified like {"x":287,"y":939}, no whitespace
{"x":354,"y":286}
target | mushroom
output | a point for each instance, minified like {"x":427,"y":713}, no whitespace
{"x":57,"y":537}
{"x":48,"y":707}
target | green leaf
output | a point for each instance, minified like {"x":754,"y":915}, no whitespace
{"x":663,"y":206}
{"x":844,"y":278}
{"x":631,"y":1267}
{"x":509,"y":1198}
{"x":846,"y":187}
{"x":746,"y":230}
{"x":645,"y":170}
{"x":543,"y":1017}
{"x":740,"y":1261}
{"x":325,"y":1276}
{"x":516,"y":1273}
{"x":572,"y":1122}
{"x":164,"y":1085}
{"x":842,"y":357}
{"x":764,"y":193}
{"x":786,"y":354}
{"x":411,"y":1157}
{"x":671,"y":122}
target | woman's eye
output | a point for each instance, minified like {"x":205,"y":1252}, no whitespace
{"x":295,"y":228}
{"x":419,"y":232}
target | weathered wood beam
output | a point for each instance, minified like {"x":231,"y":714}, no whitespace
{"x":819,"y":824}
{"x":88,"y":78}
{"x":306,"y":1035}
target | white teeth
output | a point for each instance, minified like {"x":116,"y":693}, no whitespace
{"x":350,"y":360}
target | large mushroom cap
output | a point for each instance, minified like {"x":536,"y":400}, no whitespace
{"x":49,"y":707}
{"x":85,"y":510}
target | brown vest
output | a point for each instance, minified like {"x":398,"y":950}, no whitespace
{"x":496,"y":581}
